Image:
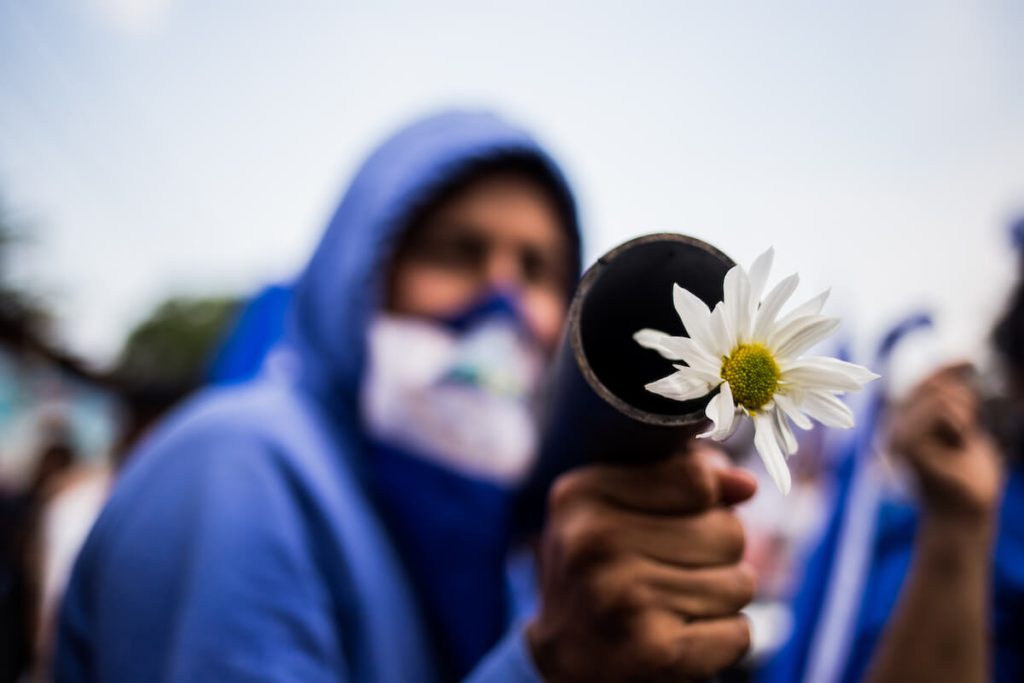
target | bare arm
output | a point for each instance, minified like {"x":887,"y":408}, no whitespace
{"x":938,"y":632}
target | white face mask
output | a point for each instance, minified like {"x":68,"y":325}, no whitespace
{"x":460,"y":399}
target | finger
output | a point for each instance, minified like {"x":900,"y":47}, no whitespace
{"x":961,"y":372}
{"x":703,"y":593}
{"x":681,"y":484}
{"x":955,"y":390}
{"x":593,"y":531}
{"x":950,"y":376}
{"x":961,"y":400}
{"x":943,"y":413}
{"x":951,"y":417}
{"x":707,"y":647}
{"x":712,"y":538}
{"x":735,"y":484}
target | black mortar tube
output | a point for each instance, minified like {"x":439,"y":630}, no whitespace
{"x":597,"y":409}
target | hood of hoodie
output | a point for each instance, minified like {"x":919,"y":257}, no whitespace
{"x":342,"y":286}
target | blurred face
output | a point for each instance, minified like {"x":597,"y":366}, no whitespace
{"x":500,"y":233}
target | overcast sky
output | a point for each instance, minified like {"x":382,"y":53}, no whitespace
{"x":163,"y":146}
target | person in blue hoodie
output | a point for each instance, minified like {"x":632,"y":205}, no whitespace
{"x":927,"y":584}
{"x":346,"y":515}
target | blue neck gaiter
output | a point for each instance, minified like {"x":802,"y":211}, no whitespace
{"x":452,"y":533}
{"x":447,"y":497}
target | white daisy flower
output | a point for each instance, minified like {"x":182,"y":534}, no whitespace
{"x":751,"y":354}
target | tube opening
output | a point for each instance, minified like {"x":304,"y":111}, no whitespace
{"x":631,"y":288}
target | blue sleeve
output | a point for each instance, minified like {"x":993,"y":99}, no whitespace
{"x":789,"y":664}
{"x":202,"y":568}
{"x":509,"y":662}
{"x":1008,"y":584}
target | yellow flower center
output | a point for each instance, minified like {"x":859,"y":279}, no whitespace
{"x":752,"y":374}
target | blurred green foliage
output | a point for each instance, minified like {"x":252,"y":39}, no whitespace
{"x":167,"y":352}
{"x":171,"y":348}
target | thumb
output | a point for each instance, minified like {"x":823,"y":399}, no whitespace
{"x":734,"y":484}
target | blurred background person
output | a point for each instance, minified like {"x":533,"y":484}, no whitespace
{"x":65,"y":428}
{"x":919,"y":574}
{"x":54,"y":416}
{"x":346,"y":514}
{"x":21,"y":566}
{"x":164,"y":358}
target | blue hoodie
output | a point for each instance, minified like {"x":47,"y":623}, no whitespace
{"x":240,"y":543}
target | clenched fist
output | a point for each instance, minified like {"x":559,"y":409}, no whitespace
{"x":641,"y":572}
{"x":938,"y":430}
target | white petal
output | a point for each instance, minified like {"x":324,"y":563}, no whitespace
{"x":673,"y":348}
{"x":705,"y":366}
{"x":682,"y":385}
{"x":712,"y":378}
{"x":723,"y":342}
{"x":694,"y":315}
{"x":678,"y":348}
{"x":721,"y":411}
{"x":812,"y":306}
{"x":768,"y":447}
{"x":789,"y":407}
{"x":827,"y":409}
{"x":785,"y":328}
{"x":758,"y":273}
{"x":820,"y":372}
{"x":783,"y":431}
{"x":738,"y":305}
{"x":858,"y":373}
{"x":801,"y":334}
{"x":772,"y":304}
